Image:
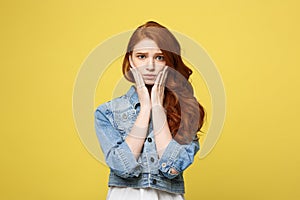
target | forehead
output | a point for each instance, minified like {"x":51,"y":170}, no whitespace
{"x":147,"y":45}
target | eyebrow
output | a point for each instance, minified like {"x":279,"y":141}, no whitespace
{"x":143,"y":52}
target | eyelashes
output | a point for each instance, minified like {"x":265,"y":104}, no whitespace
{"x":159,"y":57}
{"x":141,"y":56}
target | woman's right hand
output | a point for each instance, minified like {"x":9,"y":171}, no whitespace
{"x":141,"y":89}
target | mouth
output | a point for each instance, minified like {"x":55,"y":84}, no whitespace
{"x":149,"y":76}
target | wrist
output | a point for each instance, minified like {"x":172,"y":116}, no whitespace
{"x":156,"y":103}
{"x":158,"y":108}
{"x":145,"y":109}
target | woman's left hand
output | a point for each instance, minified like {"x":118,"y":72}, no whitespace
{"x":157,"y":92}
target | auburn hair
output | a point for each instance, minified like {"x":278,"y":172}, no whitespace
{"x":185,"y":114}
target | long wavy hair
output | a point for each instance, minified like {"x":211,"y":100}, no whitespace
{"x":185,"y":114}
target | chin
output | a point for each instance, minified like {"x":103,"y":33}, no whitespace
{"x":149,"y":82}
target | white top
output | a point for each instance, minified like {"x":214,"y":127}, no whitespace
{"x":128,"y":193}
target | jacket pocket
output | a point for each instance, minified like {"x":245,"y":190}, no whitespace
{"x":124,"y":120}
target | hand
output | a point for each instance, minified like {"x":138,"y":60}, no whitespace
{"x":157,"y":93}
{"x":141,"y":89}
{"x":162,"y":134}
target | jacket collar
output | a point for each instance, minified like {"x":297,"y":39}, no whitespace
{"x":133,"y":96}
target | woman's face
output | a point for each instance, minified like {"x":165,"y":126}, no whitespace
{"x":148,"y":59}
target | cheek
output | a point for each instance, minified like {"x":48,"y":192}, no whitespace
{"x":161,"y":64}
{"x":140,"y":69}
{"x":138,"y":63}
{"x":160,"y":68}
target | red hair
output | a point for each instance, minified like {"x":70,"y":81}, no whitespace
{"x":185,"y":114}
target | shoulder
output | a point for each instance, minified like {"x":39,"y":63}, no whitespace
{"x":117,"y":103}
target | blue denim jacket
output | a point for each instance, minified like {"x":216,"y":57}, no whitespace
{"x":113,"y":121}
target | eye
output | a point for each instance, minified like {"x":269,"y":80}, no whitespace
{"x":141,"y":56}
{"x":160,"y":58}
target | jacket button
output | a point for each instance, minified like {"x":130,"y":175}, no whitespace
{"x":149,"y":140}
{"x":154,"y":182}
{"x":124,"y":116}
{"x":152,"y":159}
{"x":163,"y":165}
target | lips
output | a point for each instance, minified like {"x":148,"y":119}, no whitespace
{"x":149,"y":76}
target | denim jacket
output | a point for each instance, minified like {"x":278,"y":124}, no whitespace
{"x":113,"y":121}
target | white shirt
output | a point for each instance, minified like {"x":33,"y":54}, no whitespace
{"x":128,"y":193}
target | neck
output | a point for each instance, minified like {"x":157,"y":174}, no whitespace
{"x":149,"y":87}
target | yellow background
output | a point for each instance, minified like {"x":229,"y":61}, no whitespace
{"x":255,"y":45}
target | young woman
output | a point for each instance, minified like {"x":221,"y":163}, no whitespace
{"x":149,"y":135}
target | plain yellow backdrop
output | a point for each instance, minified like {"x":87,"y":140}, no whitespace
{"x":255,"y":45}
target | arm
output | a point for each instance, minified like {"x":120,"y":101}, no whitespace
{"x":162,"y":134}
{"x":118,"y":155}
{"x":136,"y":138}
{"x":174,"y":158}
{"x":177,"y":157}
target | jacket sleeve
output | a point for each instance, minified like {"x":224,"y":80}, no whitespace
{"x":118,"y":155}
{"x":178,"y":157}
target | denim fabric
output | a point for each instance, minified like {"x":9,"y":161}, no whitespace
{"x":113,"y":121}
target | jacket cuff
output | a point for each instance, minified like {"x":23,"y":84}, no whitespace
{"x":131,"y":167}
{"x":166,"y":162}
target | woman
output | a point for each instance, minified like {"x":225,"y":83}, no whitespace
{"x":149,"y":135}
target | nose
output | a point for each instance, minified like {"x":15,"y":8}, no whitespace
{"x":151,"y":65}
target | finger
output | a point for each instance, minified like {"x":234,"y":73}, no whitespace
{"x":166,"y":69}
{"x":164,"y":76}
{"x":158,"y":77}
{"x":132,"y":69}
{"x":135,"y":76}
{"x":131,"y":62}
{"x":138,"y":78}
{"x":162,"y":80}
